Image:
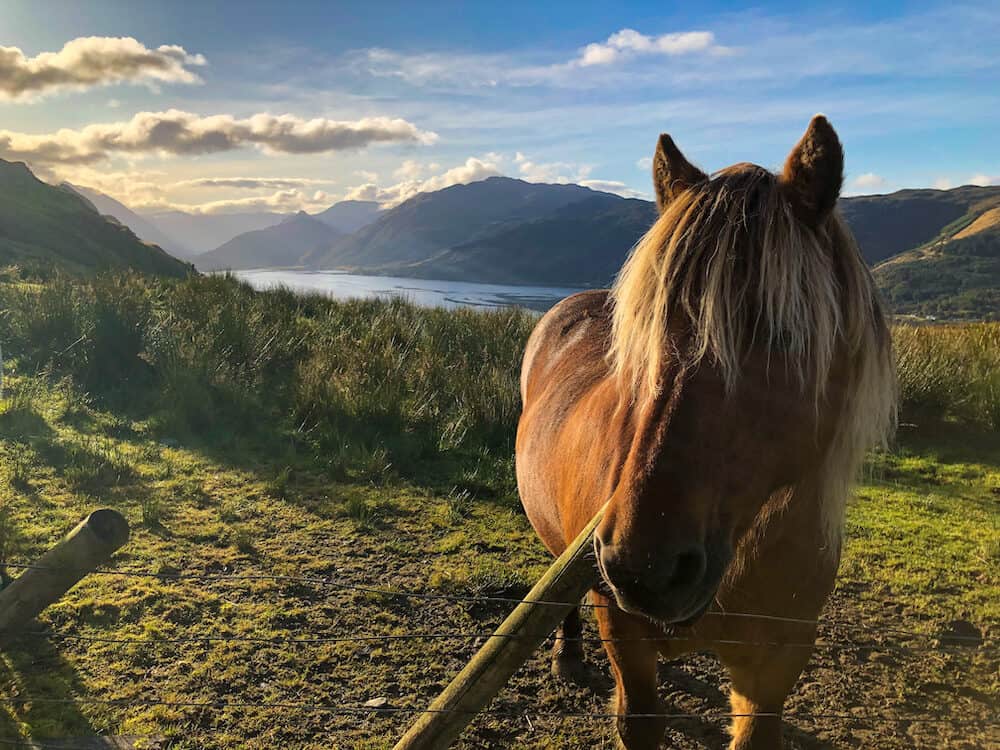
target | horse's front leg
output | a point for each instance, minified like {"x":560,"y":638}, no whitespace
{"x":762,"y":678}
{"x":633,"y":662}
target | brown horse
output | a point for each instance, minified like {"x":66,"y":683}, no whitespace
{"x":720,"y":398}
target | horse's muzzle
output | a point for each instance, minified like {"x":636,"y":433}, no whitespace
{"x":672,"y":584}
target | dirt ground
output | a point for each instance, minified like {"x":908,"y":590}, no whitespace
{"x":120,"y":656}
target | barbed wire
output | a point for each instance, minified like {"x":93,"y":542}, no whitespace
{"x":396,"y":710}
{"x":364,"y":588}
{"x":389,"y":637}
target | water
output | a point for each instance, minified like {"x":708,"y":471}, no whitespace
{"x":425,"y":292}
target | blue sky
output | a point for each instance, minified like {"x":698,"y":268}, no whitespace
{"x":238,"y":106}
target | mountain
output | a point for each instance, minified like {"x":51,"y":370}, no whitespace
{"x":143,"y":228}
{"x":935,"y":252}
{"x":281,"y":245}
{"x":54,"y":227}
{"x":955,"y":275}
{"x":349,"y":216}
{"x":431,"y":223}
{"x":885,"y":225}
{"x":204,"y":232}
{"x":580,"y":244}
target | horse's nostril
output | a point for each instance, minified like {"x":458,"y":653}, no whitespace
{"x":689,"y":568}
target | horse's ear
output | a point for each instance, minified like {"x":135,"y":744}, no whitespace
{"x":814,"y":171}
{"x":672,"y":173}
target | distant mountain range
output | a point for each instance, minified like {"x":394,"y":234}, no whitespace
{"x":349,"y":216}
{"x":204,"y":232}
{"x":934,"y":252}
{"x":47,"y":227}
{"x":284,"y":244}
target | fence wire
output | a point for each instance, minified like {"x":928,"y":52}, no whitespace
{"x":451,"y":636}
{"x":364,"y":588}
{"x":407,"y":710}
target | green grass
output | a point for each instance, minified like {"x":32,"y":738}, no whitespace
{"x":373,"y":389}
{"x":950,"y":372}
{"x":253,"y":433}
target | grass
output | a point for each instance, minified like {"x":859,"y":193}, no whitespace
{"x":370,"y":442}
{"x":950,"y":372}
{"x":373,"y":389}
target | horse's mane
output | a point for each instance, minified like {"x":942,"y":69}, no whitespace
{"x":731,"y":263}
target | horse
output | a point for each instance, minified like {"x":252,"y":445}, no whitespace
{"x":717,"y":402}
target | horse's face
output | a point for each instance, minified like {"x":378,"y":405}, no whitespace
{"x":705,"y":466}
{"x":709,"y":461}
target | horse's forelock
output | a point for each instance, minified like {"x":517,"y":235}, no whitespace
{"x":731,"y":263}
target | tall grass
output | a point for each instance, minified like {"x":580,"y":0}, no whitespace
{"x":950,"y":371}
{"x":374,"y":388}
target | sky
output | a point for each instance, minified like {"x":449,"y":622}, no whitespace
{"x":223,"y":107}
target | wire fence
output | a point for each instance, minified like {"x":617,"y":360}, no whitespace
{"x":983,"y":640}
{"x":327,"y":708}
{"x":938,"y":641}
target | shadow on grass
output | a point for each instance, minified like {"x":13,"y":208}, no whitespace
{"x":32,"y":669}
{"x":951,"y":442}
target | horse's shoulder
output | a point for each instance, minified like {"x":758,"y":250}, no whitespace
{"x":577,"y":328}
{"x":590,"y":307}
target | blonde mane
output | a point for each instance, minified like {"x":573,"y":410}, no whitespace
{"x":731,"y":263}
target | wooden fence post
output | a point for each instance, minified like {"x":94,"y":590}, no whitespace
{"x":92,"y":542}
{"x":566,"y":581}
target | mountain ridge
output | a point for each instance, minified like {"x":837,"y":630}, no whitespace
{"x":274,"y":246}
{"x":48,"y":227}
{"x":143,"y":228}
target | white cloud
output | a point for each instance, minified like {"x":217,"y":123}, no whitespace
{"x":366,"y":175}
{"x":943,"y":183}
{"x":613,"y":186}
{"x":93,"y":61}
{"x":409,"y":170}
{"x":464,"y":69}
{"x":280,"y":201}
{"x":645,"y":162}
{"x":629,"y":42}
{"x":472,"y":170}
{"x":250,"y":183}
{"x":869,"y":180}
{"x":555,"y":171}
{"x":151,"y":191}
{"x":479,"y":168}
{"x":182,"y":133}
{"x":983,"y":180}
{"x":130,"y":188}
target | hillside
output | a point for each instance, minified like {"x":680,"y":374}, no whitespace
{"x":955,"y":277}
{"x":47,"y":227}
{"x":144,"y":229}
{"x":568,"y":247}
{"x":951,"y":268}
{"x":886,"y":225}
{"x":281,"y":245}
